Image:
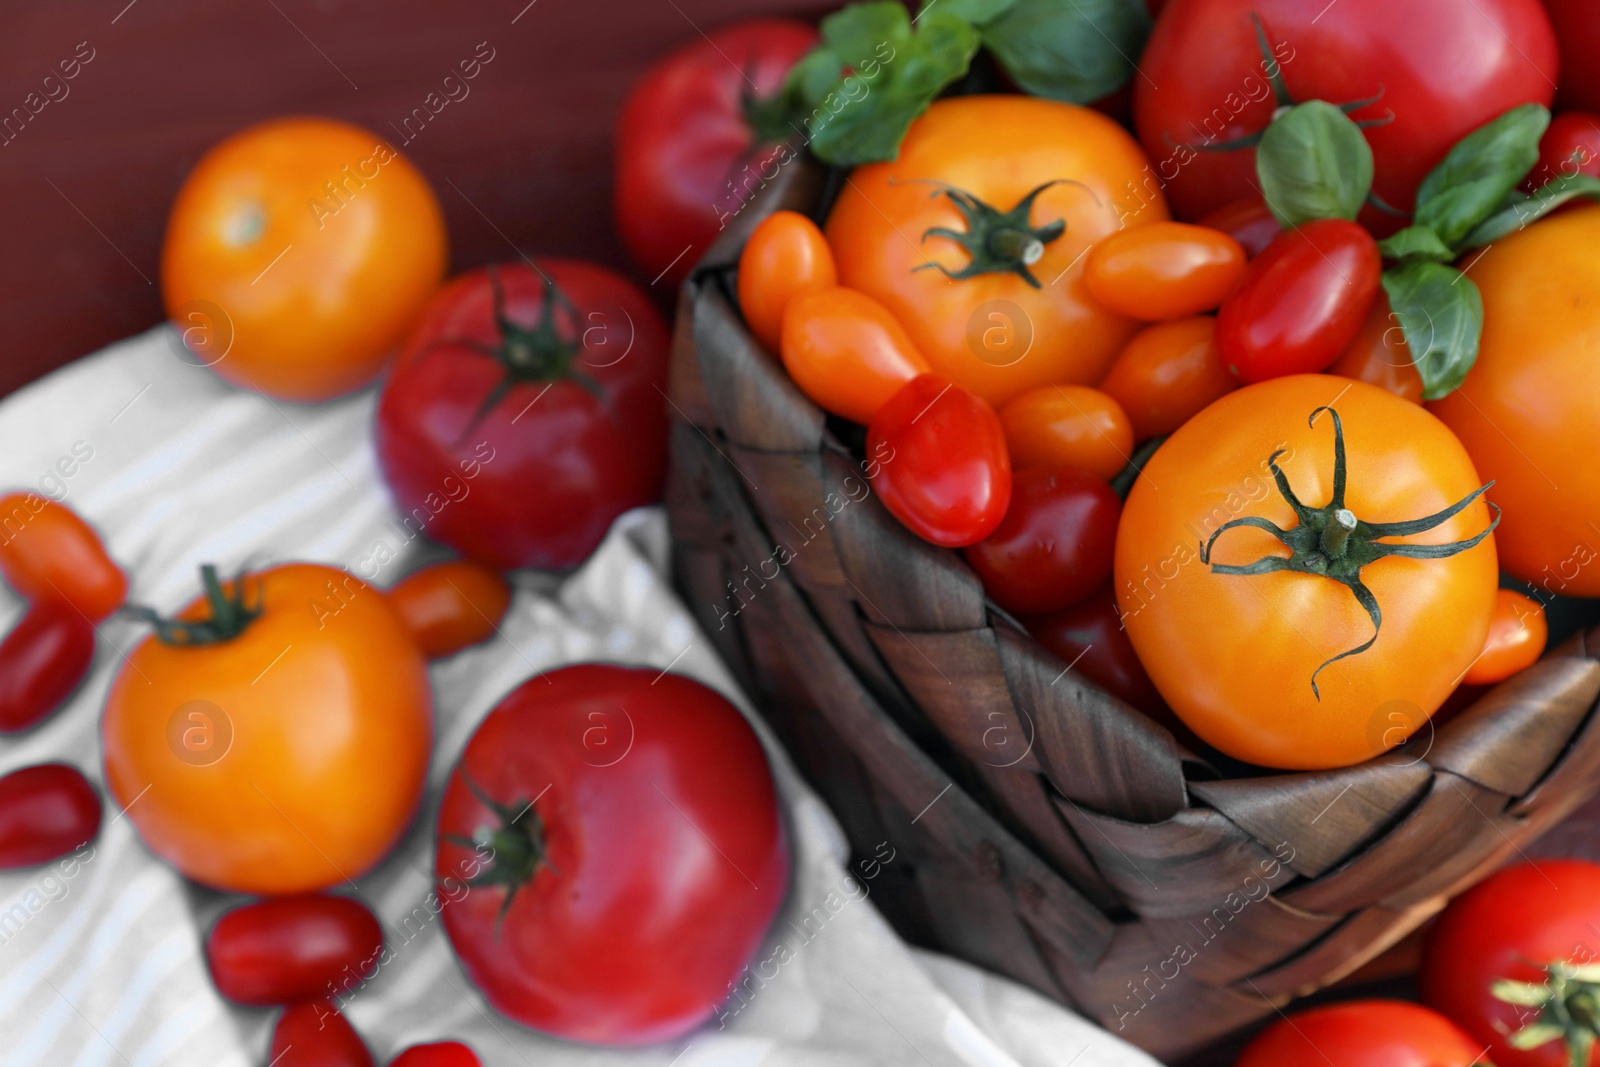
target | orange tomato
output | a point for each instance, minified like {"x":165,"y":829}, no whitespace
{"x":46,"y":550}
{"x":298,"y":254}
{"x":1067,"y":426}
{"x":282,"y":748}
{"x":785,"y":256}
{"x":1380,"y":356}
{"x":1166,"y":270}
{"x":451,"y":605}
{"x":1517,"y":635}
{"x":1167,"y":374}
{"x":1001,"y":309}
{"x":847,"y":352}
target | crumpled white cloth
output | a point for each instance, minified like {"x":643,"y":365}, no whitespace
{"x":100,"y":960}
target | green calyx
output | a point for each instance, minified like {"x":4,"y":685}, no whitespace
{"x":1333,"y":542}
{"x":230,"y":614}
{"x":1568,"y":1003}
{"x":998,"y":242}
{"x":515,"y":845}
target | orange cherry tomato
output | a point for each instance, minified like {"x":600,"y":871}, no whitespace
{"x":299,"y":253}
{"x":1166,"y":270}
{"x":847,"y":352}
{"x":1517,"y":635}
{"x":47,"y":550}
{"x":1067,"y":426}
{"x":785,"y":256}
{"x":1168,"y":374}
{"x":1380,"y":356}
{"x":451,"y":605}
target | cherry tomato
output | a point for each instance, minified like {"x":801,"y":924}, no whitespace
{"x":1067,"y":426}
{"x":276,"y":733}
{"x":293,"y":948}
{"x":298,"y":253}
{"x":847,"y":352}
{"x":1090,"y":637}
{"x":451,"y":605}
{"x":1167,"y":374}
{"x":1167,"y":270}
{"x":1577,"y":26}
{"x":313,"y":1033}
{"x":692,"y":146}
{"x":1380,"y":356}
{"x":1517,"y":635}
{"x":1301,"y":302}
{"x":1248,"y":221}
{"x":43,"y":660}
{"x":1054,"y":545}
{"x":944,"y":470}
{"x":785,"y":256}
{"x":438,"y":1054}
{"x":527,"y":412}
{"x":46,"y":550}
{"x":1364,"y":1033}
{"x":45,"y":812}
{"x":1571,"y":145}
{"x":625,"y":849}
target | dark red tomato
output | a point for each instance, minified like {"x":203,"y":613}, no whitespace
{"x":314,"y":1034}
{"x":516,"y":430}
{"x":1432,"y":70}
{"x":1570,"y":146}
{"x":1089,"y":636}
{"x":688,"y":150}
{"x":42,"y":662}
{"x":439,"y":1054}
{"x":1577,"y":25}
{"x":1364,"y":1033}
{"x":1055,"y":543}
{"x":1248,"y":221}
{"x":626,"y":854}
{"x":45,"y":811}
{"x":1301,"y":302}
{"x":1514,"y":925}
{"x":293,"y":948}
{"x":944,"y":469}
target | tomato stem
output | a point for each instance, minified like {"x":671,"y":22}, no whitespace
{"x":230,"y":614}
{"x":997,"y":242}
{"x":1569,"y":1008}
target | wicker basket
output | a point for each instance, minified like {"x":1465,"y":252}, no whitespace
{"x":1042,"y":828}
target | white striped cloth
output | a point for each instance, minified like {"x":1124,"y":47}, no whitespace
{"x":100,"y":960}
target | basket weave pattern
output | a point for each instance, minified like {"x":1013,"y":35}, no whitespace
{"x":1046,"y":830}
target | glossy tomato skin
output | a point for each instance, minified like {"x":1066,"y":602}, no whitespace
{"x":450,"y":606}
{"x":1380,"y":356}
{"x":1068,"y":426}
{"x":1571,"y":145}
{"x":46,"y":811}
{"x":1248,"y":221}
{"x":993,"y":333}
{"x":666,"y":854}
{"x":1517,"y":636}
{"x":1364,"y":1033}
{"x":1089,"y":635}
{"x":293,"y":948}
{"x":1435,"y":75}
{"x":847,"y":352}
{"x":287,"y":759}
{"x":47,"y":550}
{"x":315,"y":1034}
{"x":687,"y":161}
{"x":1234,"y":654}
{"x":1510,"y":926}
{"x":1167,"y":270}
{"x":538,"y":478}
{"x":298,"y":253}
{"x":1577,"y":26}
{"x":438,"y":1054}
{"x":1301,"y":302}
{"x":1168,"y":373}
{"x":944,"y":472}
{"x":43,"y":660}
{"x":785,"y":255}
{"x":1054,"y":545}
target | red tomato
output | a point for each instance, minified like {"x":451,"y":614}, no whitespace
{"x":1571,"y":145}
{"x":1089,"y":637}
{"x":451,"y":605}
{"x":438,"y":1054}
{"x":47,"y":550}
{"x":1364,"y":1033}
{"x":688,"y":156}
{"x":42,"y":662}
{"x":847,"y":352}
{"x":1167,"y":270}
{"x":1517,"y":635}
{"x":1519,"y":924}
{"x":1430,"y":72}
{"x":945,"y":472}
{"x":1248,"y":221}
{"x":1301,"y":302}
{"x":515,"y":430}
{"x":1577,"y":26}
{"x":1054,"y":545}
{"x":621,"y":837}
{"x":289,"y":949}
{"x":785,"y":256}
{"x":1168,"y":374}
{"x":314,"y":1034}
{"x":45,"y":811}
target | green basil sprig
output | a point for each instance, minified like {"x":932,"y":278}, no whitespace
{"x":1314,"y":163}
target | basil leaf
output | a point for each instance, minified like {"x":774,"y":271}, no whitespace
{"x":1076,"y":51}
{"x":1416,"y":242}
{"x":976,"y":12}
{"x":860,"y":32}
{"x":1519,"y":210}
{"x":1484,"y":166}
{"x":1441,"y":312}
{"x":1313,"y":163}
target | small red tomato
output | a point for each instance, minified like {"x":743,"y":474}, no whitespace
{"x":451,"y":605}
{"x":1571,"y":145}
{"x":1168,"y":374}
{"x":438,"y":1054}
{"x":1248,"y":221}
{"x":314,"y":1034}
{"x":1166,"y":270}
{"x":288,"y":949}
{"x":47,"y":550}
{"x":45,"y":811}
{"x":1517,"y":635}
{"x":1301,"y":302}
{"x":785,"y":256}
{"x":42,"y":661}
{"x":1055,"y":544}
{"x":847,"y":352}
{"x":944,"y":470}
{"x":1089,"y":636}
{"x":1364,"y":1033}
